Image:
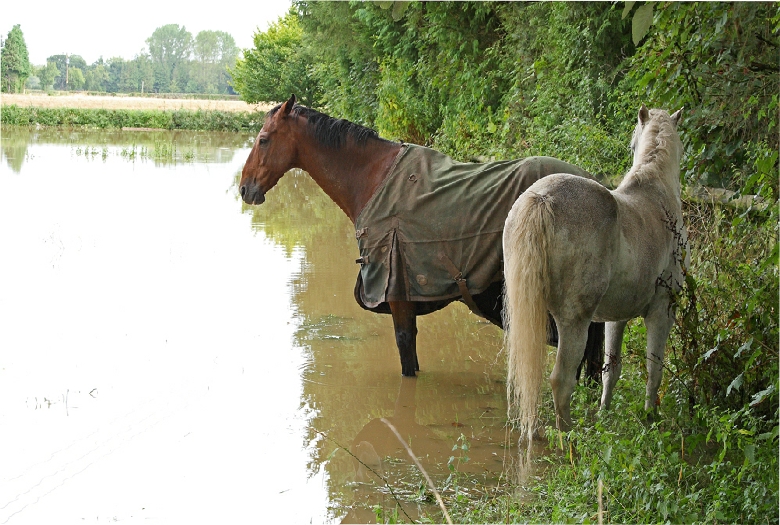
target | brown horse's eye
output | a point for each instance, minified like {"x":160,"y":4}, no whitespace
{"x":263,"y":142}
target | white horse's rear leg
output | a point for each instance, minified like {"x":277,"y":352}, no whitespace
{"x":572,"y":338}
{"x":659,"y":323}
{"x":613,"y":361}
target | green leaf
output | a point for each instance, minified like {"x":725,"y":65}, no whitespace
{"x":627,"y":9}
{"x":709,"y":352}
{"x":744,"y":347}
{"x":770,"y":435}
{"x":735,"y":384}
{"x":759,"y":396}
{"x":640,"y":24}
{"x":750,"y":453}
{"x":399,"y":8}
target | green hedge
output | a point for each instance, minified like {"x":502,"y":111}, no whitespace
{"x":211,"y":120}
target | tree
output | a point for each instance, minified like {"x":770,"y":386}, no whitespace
{"x":65,"y":64}
{"x":228,"y":54}
{"x":138,"y":75}
{"x":47,"y":74}
{"x":214,"y":51}
{"x":76,"y":79}
{"x":277,"y":66}
{"x":344,"y":59}
{"x":170,"y":48}
{"x":77,"y":61}
{"x":205,"y":51}
{"x":14,"y":62}
{"x":33,"y":82}
{"x":61,"y":64}
{"x":97,"y":76}
{"x":130,"y":76}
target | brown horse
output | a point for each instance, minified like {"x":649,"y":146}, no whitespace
{"x":350,"y":163}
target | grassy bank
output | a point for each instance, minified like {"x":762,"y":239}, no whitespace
{"x":713,"y":466}
{"x":101,"y":118}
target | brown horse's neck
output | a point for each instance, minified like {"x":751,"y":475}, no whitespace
{"x":350,"y":174}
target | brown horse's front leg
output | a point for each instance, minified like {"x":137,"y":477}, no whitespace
{"x":405,"y":324}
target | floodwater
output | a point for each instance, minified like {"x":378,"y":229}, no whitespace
{"x":171,"y":355}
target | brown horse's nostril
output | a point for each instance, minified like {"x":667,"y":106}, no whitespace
{"x":242,"y":191}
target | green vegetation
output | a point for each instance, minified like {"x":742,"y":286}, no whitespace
{"x":277,"y":66}
{"x":714,"y":466}
{"x":15,"y":65}
{"x":508,"y":80}
{"x":211,"y":120}
{"x":176,"y":62}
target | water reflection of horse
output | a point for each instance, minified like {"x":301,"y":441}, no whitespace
{"x":350,"y":163}
{"x":582,"y":252}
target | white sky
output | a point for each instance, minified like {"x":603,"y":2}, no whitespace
{"x":93,"y":28}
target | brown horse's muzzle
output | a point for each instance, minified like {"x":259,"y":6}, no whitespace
{"x":252,"y":194}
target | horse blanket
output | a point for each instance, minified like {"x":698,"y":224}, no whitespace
{"x":432,"y":231}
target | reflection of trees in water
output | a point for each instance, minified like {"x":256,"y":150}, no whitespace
{"x":352,"y":375}
{"x":14,"y":146}
{"x":297,"y":213}
{"x":161,"y":146}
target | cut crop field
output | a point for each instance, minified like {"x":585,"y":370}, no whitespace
{"x":82,"y":101}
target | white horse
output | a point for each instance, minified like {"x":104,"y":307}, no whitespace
{"x":583,"y":252}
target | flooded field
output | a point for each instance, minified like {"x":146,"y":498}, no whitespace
{"x":171,"y":355}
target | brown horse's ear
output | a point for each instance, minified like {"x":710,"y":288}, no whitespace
{"x":676,"y":117}
{"x":287,"y":107}
{"x":644,"y":114}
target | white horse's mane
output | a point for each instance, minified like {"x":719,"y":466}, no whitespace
{"x":658,"y":151}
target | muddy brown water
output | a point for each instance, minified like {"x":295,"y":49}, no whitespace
{"x":168,"y":354}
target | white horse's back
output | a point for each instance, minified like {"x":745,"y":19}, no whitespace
{"x":581,"y":252}
{"x":537,"y":282}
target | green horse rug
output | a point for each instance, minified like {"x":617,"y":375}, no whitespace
{"x":432,"y":232}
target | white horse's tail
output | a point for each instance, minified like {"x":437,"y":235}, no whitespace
{"x":526,"y":243}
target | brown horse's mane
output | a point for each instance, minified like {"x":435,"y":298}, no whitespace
{"x":328,"y":131}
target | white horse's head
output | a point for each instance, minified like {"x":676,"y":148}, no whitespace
{"x":646,"y":116}
{"x":656,"y":145}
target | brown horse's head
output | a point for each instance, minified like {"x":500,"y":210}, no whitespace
{"x":271,"y":157}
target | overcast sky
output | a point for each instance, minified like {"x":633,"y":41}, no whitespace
{"x":93,"y":28}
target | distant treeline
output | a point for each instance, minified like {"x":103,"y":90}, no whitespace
{"x":175,"y":96}
{"x":173,"y":61}
{"x":204,"y":120}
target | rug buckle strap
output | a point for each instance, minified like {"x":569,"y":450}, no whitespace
{"x":457,"y":276}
